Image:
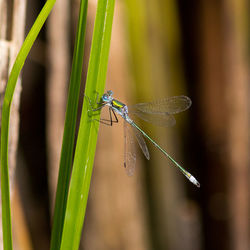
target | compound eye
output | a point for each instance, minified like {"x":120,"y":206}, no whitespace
{"x":105,"y":97}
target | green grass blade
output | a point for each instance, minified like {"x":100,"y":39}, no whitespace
{"x":10,"y":88}
{"x":87,"y":136}
{"x":69,"y":130}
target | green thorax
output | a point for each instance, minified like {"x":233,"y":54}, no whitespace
{"x":117,"y":104}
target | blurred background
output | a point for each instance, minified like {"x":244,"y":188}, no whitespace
{"x":158,"y":49}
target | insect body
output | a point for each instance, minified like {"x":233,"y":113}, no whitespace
{"x":159,"y":113}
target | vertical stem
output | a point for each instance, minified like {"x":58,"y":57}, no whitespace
{"x":87,"y":136}
{"x":9,"y":92}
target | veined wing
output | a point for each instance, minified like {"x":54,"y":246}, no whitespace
{"x":171,"y":105}
{"x":129,"y":150}
{"x":141,"y":143}
{"x":158,"y":119}
{"x":129,"y":147}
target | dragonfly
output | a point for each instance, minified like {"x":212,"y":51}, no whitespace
{"x":158,"y":112}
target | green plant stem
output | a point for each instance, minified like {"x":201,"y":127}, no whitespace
{"x":10,"y":88}
{"x":87,"y":136}
{"x":69,"y":130}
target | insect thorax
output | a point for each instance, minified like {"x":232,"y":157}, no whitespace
{"x":117,"y":104}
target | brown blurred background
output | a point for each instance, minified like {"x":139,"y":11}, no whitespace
{"x":158,"y":49}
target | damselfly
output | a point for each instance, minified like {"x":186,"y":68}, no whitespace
{"x":159,"y":113}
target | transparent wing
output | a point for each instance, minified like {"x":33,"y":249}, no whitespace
{"x":171,"y":105}
{"x":160,"y":112}
{"x":158,"y":119}
{"x":141,"y":143}
{"x":129,"y":150}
